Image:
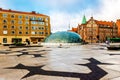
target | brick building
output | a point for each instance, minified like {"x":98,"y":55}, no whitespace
{"x":93,"y":31}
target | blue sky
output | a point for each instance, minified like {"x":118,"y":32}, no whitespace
{"x":67,"y":12}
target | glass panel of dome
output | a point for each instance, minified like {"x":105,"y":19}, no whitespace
{"x":63,"y":37}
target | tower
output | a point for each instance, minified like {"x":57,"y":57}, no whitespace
{"x":84,"y":20}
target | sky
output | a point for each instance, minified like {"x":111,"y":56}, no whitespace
{"x":65,"y":14}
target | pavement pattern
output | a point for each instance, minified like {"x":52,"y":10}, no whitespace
{"x":84,"y":62}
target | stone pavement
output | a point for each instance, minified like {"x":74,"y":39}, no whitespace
{"x":84,"y":62}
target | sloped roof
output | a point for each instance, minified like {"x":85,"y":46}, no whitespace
{"x":105,"y":23}
{"x":74,"y":29}
{"x":21,"y":12}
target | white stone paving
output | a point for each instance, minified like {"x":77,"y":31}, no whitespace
{"x":59,"y":60}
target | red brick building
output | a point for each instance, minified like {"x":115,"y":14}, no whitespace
{"x":93,"y":31}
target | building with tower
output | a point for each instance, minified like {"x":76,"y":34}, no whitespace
{"x":93,"y":31}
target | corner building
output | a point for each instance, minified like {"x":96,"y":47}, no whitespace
{"x":22,"y":26}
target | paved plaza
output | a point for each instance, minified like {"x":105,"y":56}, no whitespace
{"x":84,"y":62}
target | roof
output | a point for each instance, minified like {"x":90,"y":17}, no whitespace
{"x":105,"y":23}
{"x":74,"y":29}
{"x":84,"y":20}
{"x":21,"y":12}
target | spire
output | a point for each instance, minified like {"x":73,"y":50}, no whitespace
{"x":84,"y":20}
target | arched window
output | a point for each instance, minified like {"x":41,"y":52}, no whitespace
{"x":4,"y":21}
{"x":12,"y":27}
{"x":4,"y":26}
{"x":12,"y":16}
{"x":20,"y":32}
{"x":12,"y":22}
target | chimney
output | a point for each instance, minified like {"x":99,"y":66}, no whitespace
{"x":10,"y":10}
{"x":0,"y":8}
{"x":33,"y":12}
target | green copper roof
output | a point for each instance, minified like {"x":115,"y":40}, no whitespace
{"x":84,"y":20}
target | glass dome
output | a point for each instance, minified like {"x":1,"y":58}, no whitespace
{"x":63,"y":37}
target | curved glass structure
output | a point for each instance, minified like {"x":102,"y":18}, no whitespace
{"x":63,"y":37}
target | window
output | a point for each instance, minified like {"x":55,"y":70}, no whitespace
{"x":20,"y":17}
{"x":20,"y":22}
{"x":42,"y":32}
{"x":42,"y":28}
{"x":39,"y":28}
{"x":20,"y":32}
{"x":4,"y":40}
{"x":39,"y":32}
{"x":12,"y":16}
{"x":33,"y":22}
{"x":5,"y":32}
{"x":40,"y":19}
{"x":27,"y":17}
{"x":26,"y":32}
{"x":27,"y":28}
{"x":41,"y":23}
{"x":13,"y":32}
{"x":32,"y":32}
{"x":35,"y":32}
{"x":46,"y":24}
{"x":12,"y":21}
{"x":4,"y":21}
{"x":26,"y":22}
{"x":33,"y":28}
{"x":4,"y":15}
{"x":12,"y":27}
{"x":4,"y":26}
{"x":46,"y":19}
{"x":20,"y":27}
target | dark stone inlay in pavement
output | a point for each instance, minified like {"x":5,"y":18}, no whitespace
{"x":26,"y":53}
{"x":113,"y":54}
{"x":95,"y":74}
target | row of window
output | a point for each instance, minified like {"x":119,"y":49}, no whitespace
{"x":38,"y":28}
{"x":13,"y":16}
{"x":13,"y":22}
{"x":20,"y":27}
{"x":27,"y":22}
{"x":26,"y":17}
{"x":13,"y":27}
{"x":20,"y":32}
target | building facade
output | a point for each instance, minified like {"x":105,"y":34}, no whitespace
{"x":118,"y":24}
{"x":97,"y":31}
{"x":22,"y":26}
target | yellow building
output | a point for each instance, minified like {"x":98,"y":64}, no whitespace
{"x":22,"y":26}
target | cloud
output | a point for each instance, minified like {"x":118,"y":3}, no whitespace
{"x":3,"y":4}
{"x":6,"y":4}
{"x":57,"y":3}
{"x":60,"y":21}
{"x":109,"y":10}
{"x":69,"y":12}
